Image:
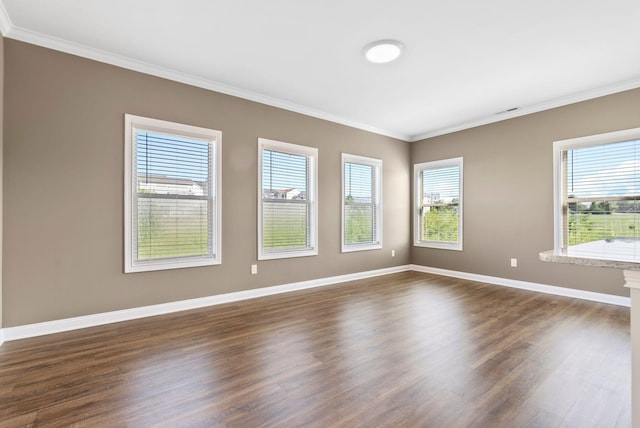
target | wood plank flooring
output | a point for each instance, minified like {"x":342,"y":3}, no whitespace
{"x":403,"y":350}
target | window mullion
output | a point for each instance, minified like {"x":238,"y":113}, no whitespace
{"x":361,"y":203}
{"x":171,"y":204}
{"x":438,"y":201}
{"x":286,"y":224}
{"x":595,"y":183}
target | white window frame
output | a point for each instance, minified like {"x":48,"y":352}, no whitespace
{"x":312,"y":191}
{"x":377,"y":201}
{"x":418,"y":169}
{"x":559,"y":195}
{"x":132,"y":124}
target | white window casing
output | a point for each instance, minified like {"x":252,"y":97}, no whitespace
{"x":438,"y":204}
{"x":172,"y":191}
{"x":361,"y":203}
{"x":287,"y":200}
{"x":597,"y":193}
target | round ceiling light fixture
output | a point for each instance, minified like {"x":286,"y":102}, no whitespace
{"x":383,"y":51}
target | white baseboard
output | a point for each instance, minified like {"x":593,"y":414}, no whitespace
{"x":58,"y":326}
{"x":542,"y":288}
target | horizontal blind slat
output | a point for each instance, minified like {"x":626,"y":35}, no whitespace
{"x":286,"y":206}
{"x":440,"y":204}
{"x":175,"y":204}
{"x":360,"y":204}
{"x":605,"y":180}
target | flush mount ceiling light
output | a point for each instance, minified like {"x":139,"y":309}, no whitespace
{"x":383,"y":51}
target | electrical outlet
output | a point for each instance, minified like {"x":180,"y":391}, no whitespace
{"x":514,"y":262}
{"x":254,"y":269}
{"x":393,"y":253}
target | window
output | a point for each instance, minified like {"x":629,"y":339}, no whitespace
{"x":287,"y":207}
{"x":597,"y":194}
{"x":172,"y":188}
{"x":438,"y":204}
{"x":361,"y":203}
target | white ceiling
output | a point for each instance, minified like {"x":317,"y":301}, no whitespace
{"x":464,"y":61}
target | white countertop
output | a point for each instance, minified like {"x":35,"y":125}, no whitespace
{"x":619,"y":253}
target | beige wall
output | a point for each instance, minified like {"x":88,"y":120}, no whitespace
{"x":64,"y":188}
{"x":508,"y":192}
{"x":63,"y":198}
{"x":1,"y":152}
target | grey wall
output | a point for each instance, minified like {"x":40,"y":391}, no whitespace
{"x":63,"y":181}
{"x":63,"y":148}
{"x":1,"y":153}
{"x":508,"y":192}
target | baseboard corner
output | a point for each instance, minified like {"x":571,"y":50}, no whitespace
{"x":94,"y":320}
{"x":531,"y":286}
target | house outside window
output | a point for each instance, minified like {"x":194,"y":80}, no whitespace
{"x":361,"y":203}
{"x":172,"y":188}
{"x":438,"y":204}
{"x":287,"y":208}
{"x":597,"y":194}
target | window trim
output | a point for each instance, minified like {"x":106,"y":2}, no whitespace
{"x":558,"y":189}
{"x":312,"y":191}
{"x":418,"y":169}
{"x":377,"y":167}
{"x":133,"y":123}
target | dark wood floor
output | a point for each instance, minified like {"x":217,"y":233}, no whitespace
{"x":404,"y":350}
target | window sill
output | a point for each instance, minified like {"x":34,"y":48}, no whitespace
{"x":455,"y":246}
{"x":166,"y":264}
{"x":356,"y":248}
{"x":619,"y":253}
{"x":287,"y":255}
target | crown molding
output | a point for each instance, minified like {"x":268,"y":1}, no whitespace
{"x":535,"y":108}
{"x":5,"y":21}
{"x":21,"y":34}
{"x":35,"y":38}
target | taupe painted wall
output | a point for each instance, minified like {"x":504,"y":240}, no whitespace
{"x":63,"y":197}
{"x":508,"y":192}
{"x":1,"y":153}
{"x":63,"y":188}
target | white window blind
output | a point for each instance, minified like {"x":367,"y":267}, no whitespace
{"x":438,"y":219}
{"x":599,"y":193}
{"x":361,"y":203}
{"x":287,"y":200}
{"x":173,"y":206}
